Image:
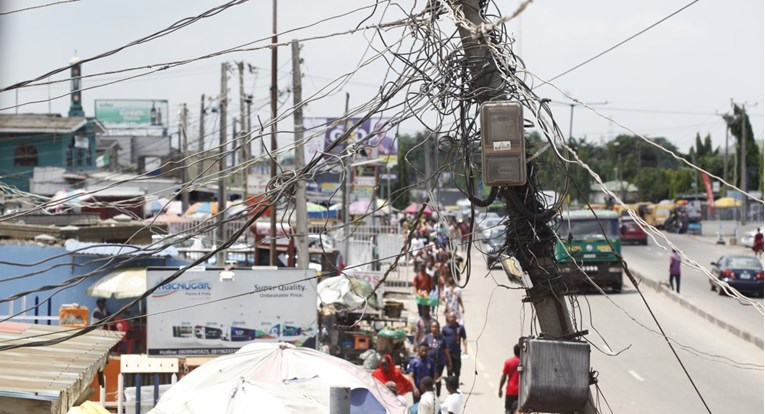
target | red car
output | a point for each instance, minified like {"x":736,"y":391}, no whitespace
{"x":632,"y":232}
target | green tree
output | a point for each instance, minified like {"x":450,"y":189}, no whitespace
{"x":680,"y":181}
{"x":741,"y":129}
{"x":653,"y":184}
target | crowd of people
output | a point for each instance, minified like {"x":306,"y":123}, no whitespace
{"x":439,"y":349}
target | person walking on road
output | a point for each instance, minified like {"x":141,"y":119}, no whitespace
{"x":758,"y":244}
{"x":674,"y":271}
{"x":453,"y":403}
{"x":422,"y":284}
{"x":454,"y":337}
{"x":419,"y":367}
{"x":512,"y":376}
{"x":428,"y":400}
{"x":438,"y":352}
{"x":453,"y":300}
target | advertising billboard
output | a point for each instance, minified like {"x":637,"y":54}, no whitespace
{"x":204,"y":313}
{"x":378,"y":136}
{"x":125,"y":113}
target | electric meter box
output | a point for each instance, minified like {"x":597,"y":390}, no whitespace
{"x":503,"y":144}
{"x":555,"y":376}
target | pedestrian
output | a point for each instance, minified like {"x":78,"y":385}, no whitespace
{"x":511,"y":374}
{"x":438,"y":352}
{"x":422,"y":284}
{"x":387,"y":371}
{"x":453,"y":403}
{"x":428,"y":400}
{"x":419,"y":367}
{"x":454,"y":337}
{"x":415,"y":249}
{"x":674,"y":271}
{"x":453,"y":300}
{"x":464,"y":228}
{"x":422,"y":328}
{"x":99,"y":313}
{"x":758,"y":244}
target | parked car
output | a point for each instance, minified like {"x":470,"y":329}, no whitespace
{"x":322,"y":241}
{"x":632,"y":232}
{"x":743,"y":273}
{"x":494,"y":246}
{"x":747,"y":239}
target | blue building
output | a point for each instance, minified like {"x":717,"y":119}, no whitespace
{"x":48,"y":140}
{"x":42,"y":278}
{"x":45,"y":140}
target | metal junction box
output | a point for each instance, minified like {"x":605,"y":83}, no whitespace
{"x":503,"y":145}
{"x":555,"y":376}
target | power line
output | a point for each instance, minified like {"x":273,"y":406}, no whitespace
{"x":622,"y":42}
{"x":38,"y":7}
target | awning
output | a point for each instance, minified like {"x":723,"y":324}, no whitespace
{"x":122,"y":283}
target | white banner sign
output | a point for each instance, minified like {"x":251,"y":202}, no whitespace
{"x":201,"y":314}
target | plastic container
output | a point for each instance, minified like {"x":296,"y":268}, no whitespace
{"x":361,"y":342}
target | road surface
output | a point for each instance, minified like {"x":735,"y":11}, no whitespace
{"x":645,"y":377}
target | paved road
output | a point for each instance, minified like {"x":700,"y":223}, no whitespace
{"x":652,"y":262}
{"x":644,"y":378}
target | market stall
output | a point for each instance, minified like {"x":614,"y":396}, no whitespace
{"x":353,"y":321}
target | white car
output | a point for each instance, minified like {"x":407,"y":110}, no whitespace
{"x":484,"y":228}
{"x":322,"y":241}
{"x":747,"y":239}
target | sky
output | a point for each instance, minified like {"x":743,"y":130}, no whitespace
{"x":673,"y":81}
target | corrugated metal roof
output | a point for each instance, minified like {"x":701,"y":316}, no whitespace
{"x":102,"y":249}
{"x":49,"y":123}
{"x":58,"y":372}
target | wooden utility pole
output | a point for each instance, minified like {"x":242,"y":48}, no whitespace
{"x":274,"y":93}
{"x":223,"y":114}
{"x":346,"y":183}
{"x":743,"y":163}
{"x":201,"y":140}
{"x":244,"y":135}
{"x":301,"y":208}
{"x":532,"y":240}
{"x":184,"y":157}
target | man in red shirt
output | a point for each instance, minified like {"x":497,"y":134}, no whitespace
{"x":423,"y":284}
{"x":510,"y":370}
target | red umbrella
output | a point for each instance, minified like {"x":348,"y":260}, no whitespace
{"x":414,"y":208}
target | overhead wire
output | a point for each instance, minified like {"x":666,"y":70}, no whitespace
{"x":440,"y":85}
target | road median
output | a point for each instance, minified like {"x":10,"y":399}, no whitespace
{"x":688,"y":304}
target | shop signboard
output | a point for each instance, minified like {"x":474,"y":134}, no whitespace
{"x":205,"y":312}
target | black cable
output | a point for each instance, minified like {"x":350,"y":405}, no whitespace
{"x":621,"y":43}
{"x":487,"y":202}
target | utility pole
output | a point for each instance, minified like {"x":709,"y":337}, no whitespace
{"x":428,"y":167}
{"x":300,"y":197}
{"x":743,"y":163}
{"x":274,"y":91}
{"x":725,"y":160}
{"x":184,"y":157}
{"x":346,"y":184}
{"x":223,"y":113}
{"x":201,"y":140}
{"x":232,"y":154}
{"x":534,"y":241}
{"x":244,"y":122}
